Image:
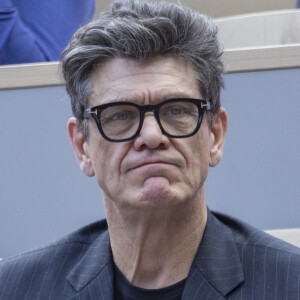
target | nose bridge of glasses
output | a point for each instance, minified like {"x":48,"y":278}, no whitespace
{"x":149,"y":108}
{"x":148,"y":111}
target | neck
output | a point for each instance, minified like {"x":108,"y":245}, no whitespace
{"x":155,"y":247}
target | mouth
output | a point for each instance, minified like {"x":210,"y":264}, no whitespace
{"x":151,"y":163}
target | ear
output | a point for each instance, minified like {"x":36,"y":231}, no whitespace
{"x":217,"y":136}
{"x":80,"y":147}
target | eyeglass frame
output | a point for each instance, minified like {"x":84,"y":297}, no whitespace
{"x":95,"y":111}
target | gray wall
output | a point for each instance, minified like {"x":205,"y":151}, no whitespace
{"x":258,"y":179}
{"x":44,"y":195}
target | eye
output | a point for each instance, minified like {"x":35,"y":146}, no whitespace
{"x":122,"y":116}
{"x":119,"y":114}
{"x":176,"y":111}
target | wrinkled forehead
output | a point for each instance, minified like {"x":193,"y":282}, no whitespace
{"x":122,"y":79}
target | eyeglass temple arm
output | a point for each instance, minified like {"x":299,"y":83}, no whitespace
{"x":88,"y":112}
{"x":206,"y":105}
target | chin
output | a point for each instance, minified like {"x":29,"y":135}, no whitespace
{"x":158,"y":194}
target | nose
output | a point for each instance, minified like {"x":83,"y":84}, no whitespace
{"x":150,"y":135}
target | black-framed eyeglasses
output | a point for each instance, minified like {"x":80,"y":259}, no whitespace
{"x":123,"y":121}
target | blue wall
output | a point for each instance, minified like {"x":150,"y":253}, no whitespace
{"x":44,"y":195}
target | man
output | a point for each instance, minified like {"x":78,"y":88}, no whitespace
{"x":144,"y":81}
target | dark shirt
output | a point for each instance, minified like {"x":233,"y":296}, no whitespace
{"x":124,"y":290}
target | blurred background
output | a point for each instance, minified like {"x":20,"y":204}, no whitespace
{"x":224,"y":8}
{"x":43,"y":28}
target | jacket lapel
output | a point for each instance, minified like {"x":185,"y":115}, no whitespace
{"x":215,"y":272}
{"x":93,"y":276}
{"x":216,"y":269}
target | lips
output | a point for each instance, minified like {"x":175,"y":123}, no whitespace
{"x":151,"y":161}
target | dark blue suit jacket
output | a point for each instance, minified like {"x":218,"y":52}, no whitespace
{"x":234,"y":261}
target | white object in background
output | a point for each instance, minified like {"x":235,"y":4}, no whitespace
{"x":260,"y":29}
{"x":291,"y":236}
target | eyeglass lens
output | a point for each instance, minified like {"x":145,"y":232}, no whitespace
{"x":179,"y":118}
{"x":176,"y":118}
{"x":120,"y":122}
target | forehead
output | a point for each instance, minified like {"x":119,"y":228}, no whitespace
{"x":147,"y":81}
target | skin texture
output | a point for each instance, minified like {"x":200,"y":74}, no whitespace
{"x":153,"y":186}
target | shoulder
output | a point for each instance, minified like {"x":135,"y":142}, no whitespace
{"x":267,"y":261}
{"x":248,"y":236}
{"x":48,"y":264}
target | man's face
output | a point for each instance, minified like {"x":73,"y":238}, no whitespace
{"x":151,"y":170}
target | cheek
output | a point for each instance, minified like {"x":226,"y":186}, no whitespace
{"x":108,"y":158}
{"x":197,"y":161}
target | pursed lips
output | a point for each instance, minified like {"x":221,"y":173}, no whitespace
{"x":153,"y":162}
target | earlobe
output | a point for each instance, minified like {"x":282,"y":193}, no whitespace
{"x":218,"y":132}
{"x":80,"y":147}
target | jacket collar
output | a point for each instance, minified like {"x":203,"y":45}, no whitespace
{"x":217,"y":266}
{"x":93,"y":275}
{"x":215,"y":271}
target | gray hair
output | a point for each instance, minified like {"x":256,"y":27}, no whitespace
{"x":141,"y":30}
